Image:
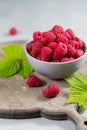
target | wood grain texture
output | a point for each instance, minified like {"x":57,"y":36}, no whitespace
{"x":19,"y":101}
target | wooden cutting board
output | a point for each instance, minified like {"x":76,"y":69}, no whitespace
{"x":18,"y":101}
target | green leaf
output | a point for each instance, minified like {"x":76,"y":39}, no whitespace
{"x":25,"y":68}
{"x":77,"y":79}
{"x":78,"y":90}
{"x":14,"y":50}
{"x":8,"y":67}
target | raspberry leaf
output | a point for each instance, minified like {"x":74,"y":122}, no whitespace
{"x":78,"y":90}
{"x":9,"y":67}
{"x":25,"y":68}
{"x":14,"y":50}
{"x":14,"y":62}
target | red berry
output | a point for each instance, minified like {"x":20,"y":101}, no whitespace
{"x":33,"y":81}
{"x":67,"y":59}
{"x":71,"y":51}
{"x":70,"y":34}
{"x":46,"y":54}
{"x":51,"y":91}
{"x":60,"y":51}
{"x":48,"y":37}
{"x":29,"y":46}
{"x":52,"y":45}
{"x":37,"y":35}
{"x":13,"y":31}
{"x":36,"y":49}
{"x":78,"y":53}
{"x":62,"y":38}
{"x":74,"y":44}
{"x":80,"y":42}
{"x":38,"y":57}
{"x":57,"y":29}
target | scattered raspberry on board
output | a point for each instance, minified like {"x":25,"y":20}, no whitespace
{"x":51,"y":90}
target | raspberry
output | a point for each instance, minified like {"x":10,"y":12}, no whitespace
{"x":70,"y":34}
{"x":67,"y":59}
{"x":46,"y":53}
{"x":74,"y":44}
{"x":37,"y":35}
{"x":36,"y":49}
{"x":38,"y":57}
{"x":29,"y":46}
{"x":71,"y":51}
{"x":33,"y":81}
{"x":51,"y":90}
{"x":57,"y":29}
{"x":62,"y":38}
{"x":80,"y":42}
{"x":60,"y":51}
{"x":48,"y":37}
{"x":79,"y":53}
{"x":13,"y":31}
{"x":52,"y":45}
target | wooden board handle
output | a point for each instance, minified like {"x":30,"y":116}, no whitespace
{"x":81,"y":123}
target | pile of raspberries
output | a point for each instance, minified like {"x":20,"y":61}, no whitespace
{"x":55,"y":45}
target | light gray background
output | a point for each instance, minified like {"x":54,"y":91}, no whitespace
{"x":29,"y":16}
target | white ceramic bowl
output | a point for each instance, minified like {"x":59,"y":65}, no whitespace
{"x":56,"y":70}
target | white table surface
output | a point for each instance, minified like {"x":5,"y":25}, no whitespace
{"x":29,"y":16}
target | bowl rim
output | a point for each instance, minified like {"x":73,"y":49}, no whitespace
{"x":59,"y":63}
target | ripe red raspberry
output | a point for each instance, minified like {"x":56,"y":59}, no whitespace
{"x":51,"y":91}
{"x":70,"y":34}
{"x":38,"y":57}
{"x":37,"y":35}
{"x":52,"y":45}
{"x":48,"y":37}
{"x":80,"y":42}
{"x":36,"y":49}
{"x":74,"y":44}
{"x":33,"y":81}
{"x":71,"y":51}
{"x":46,"y":54}
{"x":62,"y":38}
{"x":29,"y":46}
{"x":13,"y":31}
{"x":67,"y":59}
{"x":57,"y":29}
{"x":60,"y":51}
{"x":78,"y":53}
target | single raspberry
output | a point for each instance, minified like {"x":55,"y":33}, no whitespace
{"x":80,"y":42}
{"x":62,"y":38}
{"x":38,"y":57}
{"x":36,"y":49}
{"x":74,"y":44}
{"x":52,"y":45}
{"x":13,"y":31}
{"x":67,"y":59}
{"x":48,"y":37}
{"x":29,"y":46}
{"x":51,"y":90}
{"x":70,"y":34}
{"x":33,"y":81}
{"x":60,"y":51}
{"x":78,"y":53}
{"x":46,"y":54}
{"x":71,"y":51}
{"x":57,"y":29}
{"x":37,"y":35}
